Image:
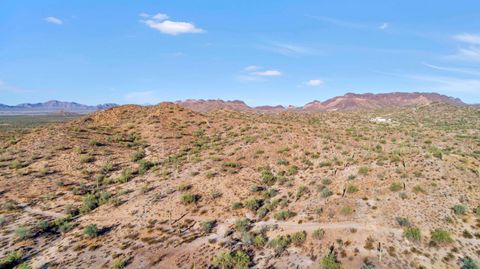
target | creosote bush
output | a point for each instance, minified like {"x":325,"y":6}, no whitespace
{"x":91,"y":230}
{"x":232,"y":260}
{"x":412,"y":233}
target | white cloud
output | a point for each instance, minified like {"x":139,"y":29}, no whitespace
{"x":252,"y":68}
{"x":54,"y":20}
{"x":267,"y":73}
{"x":161,"y":23}
{"x":468,"y":38}
{"x":384,"y":26}
{"x":144,"y":15}
{"x":314,"y":82}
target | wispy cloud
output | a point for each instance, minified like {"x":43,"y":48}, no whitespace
{"x":468,"y":38}
{"x":449,"y":84}
{"x":471,"y":53}
{"x":314,"y":82}
{"x":384,"y":26}
{"x":338,"y":22}
{"x":286,"y":49}
{"x":54,"y":20}
{"x":465,"y":71}
{"x":161,"y":22}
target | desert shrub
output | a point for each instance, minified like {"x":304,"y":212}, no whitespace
{"x":23,"y":265}
{"x":43,"y":225}
{"x":299,"y":238}
{"x":318,"y":234}
{"x":280,"y":243}
{"x":282,"y":162}
{"x":404,"y":222}
{"x":283,"y":215}
{"x":22,"y":233}
{"x":346,"y":210}
{"x":91,"y":230}
{"x":188,"y":198}
{"x":85,"y":158}
{"x":94,"y":142}
{"x":325,"y":192}
{"x":441,"y":236}
{"x":259,"y":241}
{"x":9,"y":205}
{"x":125,"y":176}
{"x":64,"y":227}
{"x":363,"y":170}
{"x":367,"y":265}
{"x":232,"y":260}
{"x":352,"y":189}
{"x":119,"y":263}
{"x":144,"y":166}
{"x":90,"y":202}
{"x":330,"y":262}
{"x":184,"y":187}
{"x":395,"y":186}
{"x":326,"y":181}
{"x":292,"y":170}
{"x":242,"y":225}
{"x":412,"y":233}
{"x":268,"y":178}
{"x":301,"y":191}
{"x":460,"y":209}
{"x":207,"y":226}
{"x":237,"y":205}
{"x":231,"y":164}
{"x":253,"y":204}
{"x":418,"y":189}
{"x":104,"y":197}
{"x":138,"y":155}
{"x":477,"y":211}
{"x":469,"y":263}
{"x":13,"y":258}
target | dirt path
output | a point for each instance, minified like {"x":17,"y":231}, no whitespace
{"x":41,"y":212}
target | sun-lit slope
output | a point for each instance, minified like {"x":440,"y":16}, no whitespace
{"x":166,"y":187}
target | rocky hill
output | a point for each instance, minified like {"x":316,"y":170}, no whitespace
{"x":167,"y":187}
{"x":51,"y":107}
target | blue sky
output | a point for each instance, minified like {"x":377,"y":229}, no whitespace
{"x":262,"y":52}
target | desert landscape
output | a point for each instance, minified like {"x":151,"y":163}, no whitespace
{"x":165,"y":186}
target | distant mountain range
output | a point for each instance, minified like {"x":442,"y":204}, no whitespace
{"x":349,"y":101}
{"x":50,"y":107}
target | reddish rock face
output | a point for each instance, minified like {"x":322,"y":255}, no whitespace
{"x":349,"y":101}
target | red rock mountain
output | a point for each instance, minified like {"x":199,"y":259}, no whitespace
{"x":349,"y":101}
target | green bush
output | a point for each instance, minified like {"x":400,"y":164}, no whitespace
{"x":268,"y":178}
{"x":469,"y":263}
{"x":441,"y":236}
{"x":325,"y":192}
{"x":253,"y":204}
{"x":138,"y":155}
{"x":395,"y":186}
{"x":119,"y":263}
{"x":412,"y":233}
{"x":207,"y":226}
{"x":283,"y":215}
{"x":363,"y":170}
{"x":144,"y":166}
{"x":318,"y":234}
{"x":13,"y":258}
{"x":125,"y":176}
{"x":242,"y":225}
{"x":91,"y":230}
{"x":352,"y":189}
{"x":280,"y":243}
{"x":22,"y":233}
{"x":460,"y":209}
{"x":90,"y":202}
{"x":188,"y":198}
{"x":330,"y":262}
{"x":232,"y":260}
{"x":299,"y":238}
{"x":404,"y":222}
{"x":259,"y":241}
